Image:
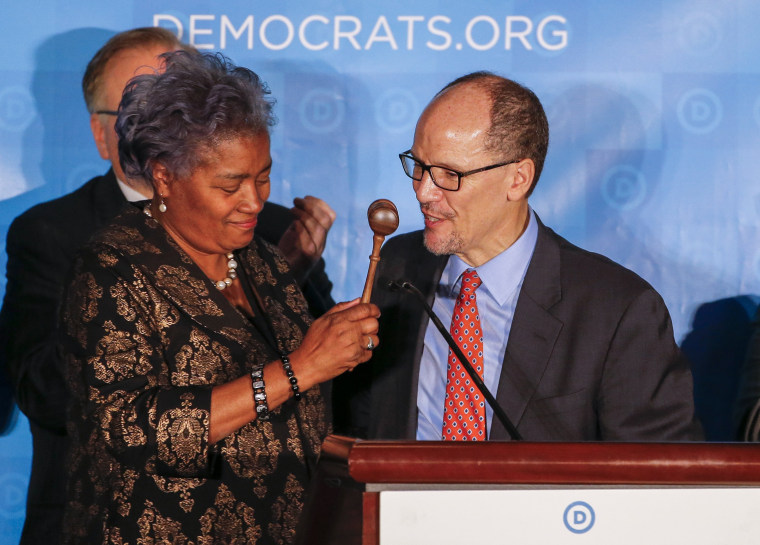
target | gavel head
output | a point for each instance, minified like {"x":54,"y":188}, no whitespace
{"x":382,"y":217}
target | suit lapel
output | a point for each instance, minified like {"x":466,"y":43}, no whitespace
{"x":426,"y":276}
{"x":396,"y":366}
{"x":533,"y":334}
{"x":109,"y":200}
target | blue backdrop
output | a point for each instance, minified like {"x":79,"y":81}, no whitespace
{"x":654,"y":109}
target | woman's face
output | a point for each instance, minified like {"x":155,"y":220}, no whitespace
{"x":214,"y":210}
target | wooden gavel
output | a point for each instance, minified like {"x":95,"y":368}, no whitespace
{"x":383,"y":220}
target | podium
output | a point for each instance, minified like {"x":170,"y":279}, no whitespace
{"x":379,"y":492}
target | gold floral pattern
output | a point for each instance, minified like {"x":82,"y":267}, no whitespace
{"x":128,"y":240}
{"x":262,"y":272}
{"x":84,"y":293}
{"x":286,"y":510}
{"x":117,"y":422}
{"x":181,"y":434}
{"x":155,"y":528}
{"x":141,"y":364}
{"x":192,"y":292}
{"x":253,"y":453}
{"x":281,"y":263}
{"x":201,"y":360}
{"x":117,"y":355}
{"x":230,"y":521}
{"x":124,"y":307}
{"x":181,"y":487}
{"x":124,"y":492}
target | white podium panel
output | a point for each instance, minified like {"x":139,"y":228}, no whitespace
{"x":587,"y":516}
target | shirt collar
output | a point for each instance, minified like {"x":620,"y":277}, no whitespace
{"x":514,"y":261}
{"x":131,"y":194}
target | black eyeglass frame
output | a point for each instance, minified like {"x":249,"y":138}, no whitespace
{"x":426,"y":168}
{"x":107,"y":112}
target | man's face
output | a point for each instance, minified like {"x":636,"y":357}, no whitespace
{"x":120,"y":69}
{"x":477,"y":222}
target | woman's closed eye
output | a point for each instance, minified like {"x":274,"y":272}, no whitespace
{"x":229,"y":189}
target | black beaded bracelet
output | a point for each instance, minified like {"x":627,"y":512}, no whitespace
{"x":291,"y":377}
{"x":259,"y":395}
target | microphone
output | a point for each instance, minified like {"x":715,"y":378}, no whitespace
{"x":405,"y":285}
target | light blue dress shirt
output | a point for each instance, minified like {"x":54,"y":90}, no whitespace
{"x":502,"y":278}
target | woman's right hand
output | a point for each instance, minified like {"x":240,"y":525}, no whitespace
{"x":336,"y":342}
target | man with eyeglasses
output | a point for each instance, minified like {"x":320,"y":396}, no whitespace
{"x":41,"y":246}
{"x":573,"y":346}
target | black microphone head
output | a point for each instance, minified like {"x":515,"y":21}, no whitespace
{"x":401,"y":284}
{"x":395,"y":285}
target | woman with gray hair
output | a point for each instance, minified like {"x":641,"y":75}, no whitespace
{"x":193,"y":362}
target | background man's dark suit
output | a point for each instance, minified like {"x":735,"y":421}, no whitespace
{"x":590,"y":356}
{"x":41,"y":245}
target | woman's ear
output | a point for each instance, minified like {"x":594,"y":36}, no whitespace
{"x":161,"y":179}
{"x":522,"y":181}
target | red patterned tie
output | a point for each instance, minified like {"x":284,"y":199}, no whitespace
{"x":464,"y":413}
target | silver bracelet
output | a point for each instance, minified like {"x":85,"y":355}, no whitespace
{"x":259,"y":395}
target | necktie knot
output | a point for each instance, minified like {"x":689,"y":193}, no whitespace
{"x":470,"y":281}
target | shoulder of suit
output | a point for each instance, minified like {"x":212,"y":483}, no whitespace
{"x":274,"y":220}
{"x":275,"y":209}
{"x":71,"y":206}
{"x":404,"y":241}
{"x":127,"y":232}
{"x":596,"y":269}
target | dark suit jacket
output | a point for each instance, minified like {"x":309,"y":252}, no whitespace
{"x":590,"y":356}
{"x":41,"y":245}
{"x":747,"y":409}
{"x":273,"y":221}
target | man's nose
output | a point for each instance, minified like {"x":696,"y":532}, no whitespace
{"x":425,"y":189}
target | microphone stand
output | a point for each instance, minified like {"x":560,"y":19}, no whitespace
{"x":396,"y":285}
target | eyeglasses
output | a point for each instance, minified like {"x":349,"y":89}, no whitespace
{"x":445,"y":178}
{"x":107,"y":112}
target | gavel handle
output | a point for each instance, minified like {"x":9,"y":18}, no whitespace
{"x":374,"y":259}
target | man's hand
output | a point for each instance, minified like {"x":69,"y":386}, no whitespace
{"x":304,"y":241}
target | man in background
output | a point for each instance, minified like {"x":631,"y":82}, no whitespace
{"x":41,"y":245}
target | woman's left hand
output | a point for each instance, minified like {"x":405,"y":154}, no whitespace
{"x":336,"y":342}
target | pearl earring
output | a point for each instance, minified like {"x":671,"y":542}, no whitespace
{"x":162,"y":205}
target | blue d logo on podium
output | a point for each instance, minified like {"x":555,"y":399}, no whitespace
{"x":579,"y":517}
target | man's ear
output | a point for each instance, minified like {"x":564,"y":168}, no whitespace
{"x":99,"y":134}
{"x":162,"y":179}
{"x":522,"y":181}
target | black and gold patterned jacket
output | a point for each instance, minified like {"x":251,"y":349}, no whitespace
{"x":145,"y":337}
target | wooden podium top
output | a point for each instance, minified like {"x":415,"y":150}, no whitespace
{"x":732,"y":464}
{"x":343,"y":510}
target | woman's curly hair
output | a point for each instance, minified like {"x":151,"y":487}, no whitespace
{"x":176,"y":114}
